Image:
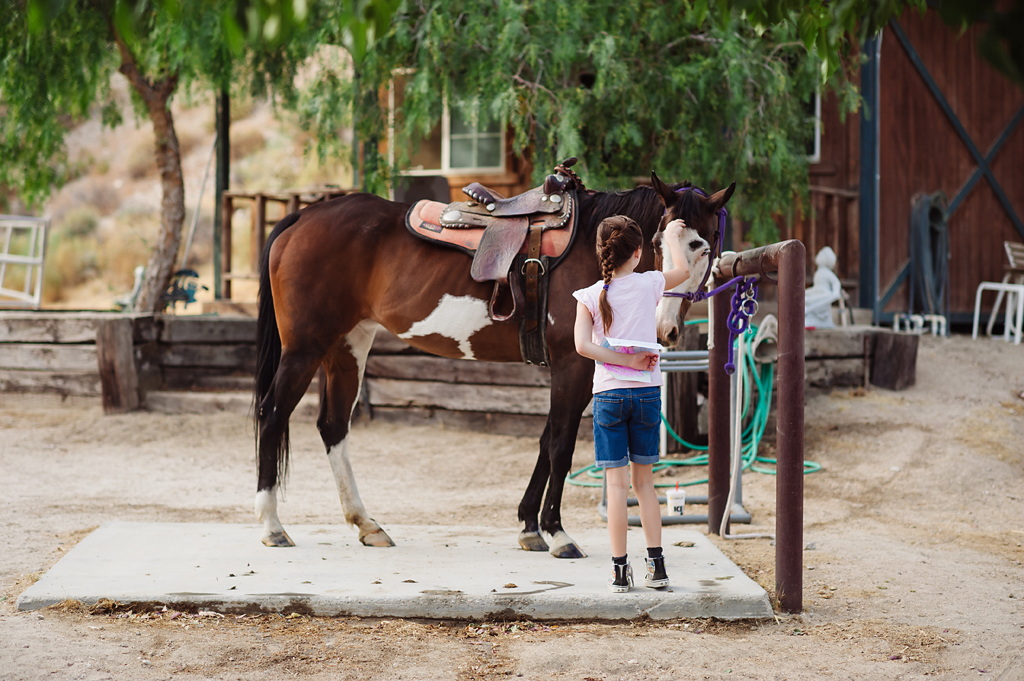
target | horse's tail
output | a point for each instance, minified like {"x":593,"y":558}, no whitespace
{"x":268,"y":352}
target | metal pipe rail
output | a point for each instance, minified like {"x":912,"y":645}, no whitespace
{"x":786,"y":258}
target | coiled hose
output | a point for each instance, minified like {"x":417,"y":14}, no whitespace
{"x":761,"y":378}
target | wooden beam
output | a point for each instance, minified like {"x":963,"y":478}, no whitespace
{"x":188,"y":329}
{"x":65,"y":327}
{"x":429,"y":368}
{"x":459,"y":396}
{"x":115,"y":358}
{"x":85,"y":384}
{"x":240,"y":356}
{"x":48,"y":357}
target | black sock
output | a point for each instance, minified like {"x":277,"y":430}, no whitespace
{"x":618,"y":560}
{"x":654,"y":552}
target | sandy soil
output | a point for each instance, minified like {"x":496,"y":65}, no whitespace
{"x":916,"y":523}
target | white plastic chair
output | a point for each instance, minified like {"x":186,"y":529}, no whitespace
{"x":1013,"y":292}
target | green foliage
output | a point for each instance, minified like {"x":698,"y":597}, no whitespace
{"x":626,"y":85}
{"x":1002,"y":41}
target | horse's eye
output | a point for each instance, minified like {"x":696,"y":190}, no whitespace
{"x":695,"y":245}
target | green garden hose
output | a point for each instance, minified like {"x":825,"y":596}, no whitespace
{"x":761,"y":377}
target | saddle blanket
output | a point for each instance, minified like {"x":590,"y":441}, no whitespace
{"x":424,"y":219}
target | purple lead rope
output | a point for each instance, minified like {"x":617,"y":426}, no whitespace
{"x":744,"y":299}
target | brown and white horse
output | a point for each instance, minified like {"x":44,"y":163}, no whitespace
{"x":333,"y":273}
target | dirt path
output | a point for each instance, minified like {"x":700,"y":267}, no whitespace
{"x":916,"y":523}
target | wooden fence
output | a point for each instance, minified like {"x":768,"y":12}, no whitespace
{"x":206,"y":363}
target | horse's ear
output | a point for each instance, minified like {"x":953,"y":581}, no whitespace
{"x":668,"y":197}
{"x":720,"y":198}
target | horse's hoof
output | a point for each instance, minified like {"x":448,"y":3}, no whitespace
{"x":565,"y":547}
{"x":532,"y":541}
{"x":278,"y":539}
{"x":378,"y":538}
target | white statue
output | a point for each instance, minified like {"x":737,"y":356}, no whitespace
{"x":825,"y":290}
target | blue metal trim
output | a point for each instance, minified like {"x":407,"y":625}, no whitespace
{"x":869,"y":115}
{"x":989,"y":157}
{"x":968,"y":142}
{"x":896,"y":283}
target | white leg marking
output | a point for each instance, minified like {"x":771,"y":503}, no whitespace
{"x":560,"y":539}
{"x":360,"y":339}
{"x":455,"y":317}
{"x":266,"y":511}
{"x":351,"y":504}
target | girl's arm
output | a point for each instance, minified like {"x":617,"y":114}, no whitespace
{"x":680,"y":271}
{"x":583,"y":334}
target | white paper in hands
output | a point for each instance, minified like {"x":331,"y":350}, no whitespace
{"x":630,"y":347}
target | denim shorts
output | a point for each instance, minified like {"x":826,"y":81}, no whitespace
{"x":626,"y":426}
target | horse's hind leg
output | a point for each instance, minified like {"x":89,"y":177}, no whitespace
{"x":293,"y":376}
{"x":344,"y":366}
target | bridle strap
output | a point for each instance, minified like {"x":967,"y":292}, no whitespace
{"x":716,"y":252}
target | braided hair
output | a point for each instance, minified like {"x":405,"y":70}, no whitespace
{"x":618,"y":237}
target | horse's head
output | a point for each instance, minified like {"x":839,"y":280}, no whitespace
{"x":700,"y":212}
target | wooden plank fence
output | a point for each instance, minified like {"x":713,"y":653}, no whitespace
{"x":203,"y":363}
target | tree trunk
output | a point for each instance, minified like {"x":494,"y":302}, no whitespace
{"x":156,"y":96}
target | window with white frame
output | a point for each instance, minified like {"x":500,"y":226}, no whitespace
{"x":463,"y":142}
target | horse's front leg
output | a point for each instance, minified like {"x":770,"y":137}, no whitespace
{"x":529,"y":508}
{"x":570,"y":393}
{"x":343,"y":369}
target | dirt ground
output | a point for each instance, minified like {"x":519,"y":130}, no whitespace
{"x":914,"y":529}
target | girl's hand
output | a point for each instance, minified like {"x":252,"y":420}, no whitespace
{"x":675,"y":228}
{"x":641,"y":361}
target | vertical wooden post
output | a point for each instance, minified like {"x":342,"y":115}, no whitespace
{"x":789,"y":479}
{"x":718,"y":415}
{"x":225,"y":244}
{"x":259,"y":227}
{"x":115,"y":356}
{"x":223,"y":123}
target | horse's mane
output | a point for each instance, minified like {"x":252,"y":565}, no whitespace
{"x":642,"y":204}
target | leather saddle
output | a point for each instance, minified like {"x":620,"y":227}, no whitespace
{"x":495,"y":230}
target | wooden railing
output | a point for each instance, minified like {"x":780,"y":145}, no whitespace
{"x":290,"y":201}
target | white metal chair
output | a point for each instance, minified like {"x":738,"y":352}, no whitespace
{"x":1012,"y":287}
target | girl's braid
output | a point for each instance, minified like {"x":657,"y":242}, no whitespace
{"x":618,"y":237}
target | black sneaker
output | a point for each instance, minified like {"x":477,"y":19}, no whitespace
{"x":622,"y":578}
{"x":656,"y":577}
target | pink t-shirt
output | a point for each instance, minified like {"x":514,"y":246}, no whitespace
{"x":634,"y":299}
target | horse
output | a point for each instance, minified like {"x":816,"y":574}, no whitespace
{"x":335,"y":272}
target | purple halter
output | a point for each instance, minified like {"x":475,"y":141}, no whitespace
{"x":716,"y":251}
{"x":744,"y":300}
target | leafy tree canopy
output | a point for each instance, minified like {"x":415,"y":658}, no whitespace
{"x":625,"y":85}
{"x":56,"y":62}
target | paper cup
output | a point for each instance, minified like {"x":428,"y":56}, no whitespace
{"x":675,"y":499}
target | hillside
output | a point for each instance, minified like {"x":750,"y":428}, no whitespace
{"x":104,"y":220}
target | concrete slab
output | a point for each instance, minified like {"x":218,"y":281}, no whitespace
{"x":434,"y":572}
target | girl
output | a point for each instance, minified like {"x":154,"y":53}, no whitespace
{"x":627,"y":411}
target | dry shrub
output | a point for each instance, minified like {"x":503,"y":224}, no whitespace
{"x":246,"y":142}
{"x":80,"y":222}
{"x":70,"y":260}
{"x":120,"y":256}
{"x":141,"y":159}
{"x":188,"y":139}
{"x":241,"y":107}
